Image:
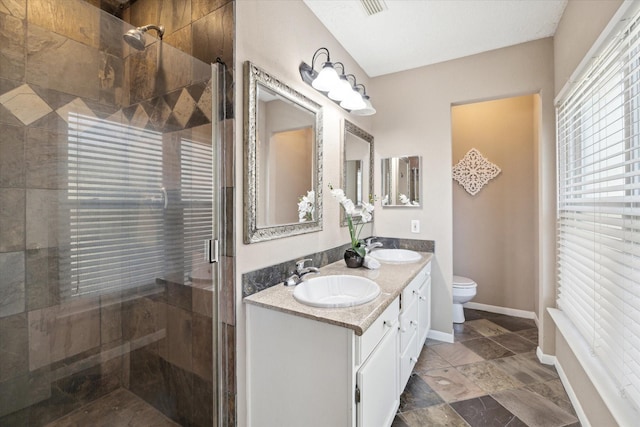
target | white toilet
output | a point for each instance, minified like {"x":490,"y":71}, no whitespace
{"x":464,"y":289}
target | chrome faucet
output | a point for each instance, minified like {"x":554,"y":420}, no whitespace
{"x":301,"y":271}
{"x":369,"y":244}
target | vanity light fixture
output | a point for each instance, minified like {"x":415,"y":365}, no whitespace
{"x":328,"y":76}
{"x":337,"y":86}
{"x":352,"y":100}
{"x":368,"y":109}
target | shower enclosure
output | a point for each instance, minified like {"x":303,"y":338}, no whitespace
{"x":109,"y":197}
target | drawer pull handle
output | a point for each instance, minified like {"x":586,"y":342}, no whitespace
{"x":415,"y":292}
{"x":423,"y":298}
{"x":413,"y":359}
{"x":413,"y":323}
{"x":387,"y":323}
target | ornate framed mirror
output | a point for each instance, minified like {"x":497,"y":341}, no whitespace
{"x":283,"y":159}
{"x":357,"y":167}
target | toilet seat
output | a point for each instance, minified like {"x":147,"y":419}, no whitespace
{"x":463,"y":282}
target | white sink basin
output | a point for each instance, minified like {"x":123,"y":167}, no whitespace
{"x":395,"y":255}
{"x":336,"y":291}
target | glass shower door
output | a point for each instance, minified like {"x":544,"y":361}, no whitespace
{"x":108,"y":178}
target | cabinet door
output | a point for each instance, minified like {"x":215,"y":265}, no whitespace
{"x":408,"y":360}
{"x":377,"y":382}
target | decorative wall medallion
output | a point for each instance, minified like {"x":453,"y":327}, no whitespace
{"x":474,"y":171}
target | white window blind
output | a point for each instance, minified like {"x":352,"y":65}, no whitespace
{"x":116,"y":205}
{"x":125,"y":229}
{"x":196,"y":182}
{"x":598,"y":131}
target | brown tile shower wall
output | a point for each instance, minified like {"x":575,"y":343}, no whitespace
{"x":55,"y":355}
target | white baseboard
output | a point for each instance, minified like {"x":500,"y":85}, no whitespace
{"x":545,"y":359}
{"x":501,"y":310}
{"x":440,"y":336}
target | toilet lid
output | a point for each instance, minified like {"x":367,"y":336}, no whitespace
{"x":463,"y":282}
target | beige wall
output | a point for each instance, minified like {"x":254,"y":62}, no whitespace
{"x":589,"y":397}
{"x":414,"y":118}
{"x":289,"y":172}
{"x":581,"y":24}
{"x":277,"y":36}
{"x":494,"y":231}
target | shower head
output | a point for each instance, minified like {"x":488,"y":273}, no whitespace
{"x":135,"y":36}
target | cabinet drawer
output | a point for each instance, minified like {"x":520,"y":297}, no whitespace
{"x":408,"y":324}
{"x":372,"y":336}
{"x":410,"y":294}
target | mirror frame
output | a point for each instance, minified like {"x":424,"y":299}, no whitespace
{"x":253,"y":78}
{"x":351,"y":128}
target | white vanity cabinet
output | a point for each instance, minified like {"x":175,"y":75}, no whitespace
{"x":308,"y":367}
{"x":303,"y":372}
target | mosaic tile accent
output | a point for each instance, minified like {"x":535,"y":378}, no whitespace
{"x":184,"y":108}
{"x":176,"y":111}
{"x":25,"y":104}
{"x":77,"y":106}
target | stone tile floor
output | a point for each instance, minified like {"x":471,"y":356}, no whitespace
{"x":490,"y":376}
{"x":118,"y":408}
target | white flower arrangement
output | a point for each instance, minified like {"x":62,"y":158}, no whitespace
{"x":306,"y":207}
{"x":406,"y":201}
{"x":366,"y":214}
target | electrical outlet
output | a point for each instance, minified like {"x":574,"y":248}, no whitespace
{"x":415,"y":226}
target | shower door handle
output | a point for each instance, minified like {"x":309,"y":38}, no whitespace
{"x":211,"y":250}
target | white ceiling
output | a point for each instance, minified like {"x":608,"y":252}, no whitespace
{"x":414,"y":33}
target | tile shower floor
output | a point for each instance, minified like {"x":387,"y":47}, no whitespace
{"x":118,"y":408}
{"x":490,"y":376}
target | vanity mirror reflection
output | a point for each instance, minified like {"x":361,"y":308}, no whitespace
{"x":401,"y":181}
{"x":357,"y":167}
{"x":283,"y":159}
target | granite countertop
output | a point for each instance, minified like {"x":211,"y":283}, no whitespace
{"x":392,"y":279}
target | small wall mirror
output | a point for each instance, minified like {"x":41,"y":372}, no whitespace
{"x":401,"y":181}
{"x":283,"y":159}
{"x":357,"y":166}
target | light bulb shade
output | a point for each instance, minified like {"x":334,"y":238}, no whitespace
{"x":353,"y":101}
{"x":368,"y":110}
{"x":341,"y":90}
{"x":326,"y":79}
